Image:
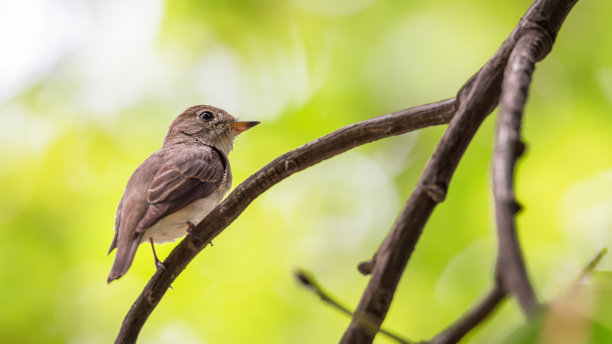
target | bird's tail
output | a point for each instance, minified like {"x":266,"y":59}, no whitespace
{"x":123,"y":259}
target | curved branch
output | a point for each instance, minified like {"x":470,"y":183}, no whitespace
{"x":532,"y":46}
{"x":282,"y":167}
{"x":476,"y":100}
{"x":472,"y":318}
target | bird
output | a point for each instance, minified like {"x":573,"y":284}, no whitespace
{"x":178,"y":185}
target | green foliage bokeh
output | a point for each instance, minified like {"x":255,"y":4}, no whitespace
{"x":73,"y":133}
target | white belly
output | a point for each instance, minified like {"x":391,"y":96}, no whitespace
{"x":175,"y":226}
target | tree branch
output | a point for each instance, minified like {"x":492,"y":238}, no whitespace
{"x":282,"y":167}
{"x":508,"y":148}
{"x":477,"y":98}
{"x":472,"y":318}
{"x":307,"y":280}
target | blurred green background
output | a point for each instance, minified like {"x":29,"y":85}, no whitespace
{"x":88,"y":88}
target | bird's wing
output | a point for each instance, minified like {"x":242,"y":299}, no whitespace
{"x":187,"y":175}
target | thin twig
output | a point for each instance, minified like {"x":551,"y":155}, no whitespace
{"x":307,"y":279}
{"x":591,"y":266}
{"x":471,"y":318}
{"x":282,"y":167}
{"x":476,"y":100}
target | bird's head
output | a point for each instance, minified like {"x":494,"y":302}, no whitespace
{"x":208,"y":125}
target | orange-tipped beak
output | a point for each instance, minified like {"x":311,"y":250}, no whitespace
{"x":241,"y":127}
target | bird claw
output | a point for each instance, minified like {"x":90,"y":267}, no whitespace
{"x":160,"y":266}
{"x":190,"y":228}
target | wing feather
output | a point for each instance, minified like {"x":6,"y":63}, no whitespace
{"x":189,"y":175}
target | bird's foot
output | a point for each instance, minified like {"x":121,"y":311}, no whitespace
{"x":190,"y":228}
{"x":158,"y":263}
{"x":160,"y":266}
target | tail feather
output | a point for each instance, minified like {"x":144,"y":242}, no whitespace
{"x":114,"y":243}
{"x":123,"y":259}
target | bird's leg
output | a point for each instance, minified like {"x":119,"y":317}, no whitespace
{"x":190,"y":228}
{"x":158,"y":263}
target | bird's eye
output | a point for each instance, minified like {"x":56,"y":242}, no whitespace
{"x":207,"y":115}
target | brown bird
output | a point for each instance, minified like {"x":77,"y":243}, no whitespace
{"x":177,"y":186}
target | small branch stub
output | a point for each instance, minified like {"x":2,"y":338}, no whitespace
{"x":436,"y":192}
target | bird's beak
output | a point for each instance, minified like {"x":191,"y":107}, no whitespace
{"x":241,"y":127}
